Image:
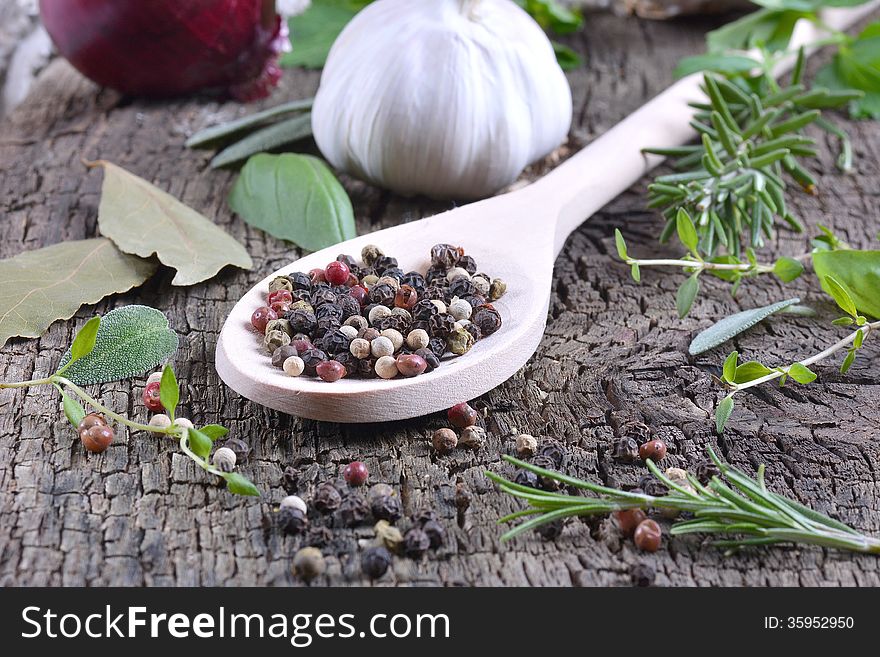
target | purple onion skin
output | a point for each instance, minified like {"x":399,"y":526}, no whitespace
{"x":165,"y":48}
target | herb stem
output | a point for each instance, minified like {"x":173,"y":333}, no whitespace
{"x":701,"y":265}
{"x":26,"y":384}
{"x":202,"y":463}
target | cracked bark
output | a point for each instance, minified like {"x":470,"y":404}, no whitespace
{"x":140,"y":514}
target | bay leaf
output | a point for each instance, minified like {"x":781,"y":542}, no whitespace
{"x":143,"y":220}
{"x":131,"y":340}
{"x":293,"y":197}
{"x":41,"y":286}
{"x":265,"y":139}
{"x":859,"y":271}
{"x":725,"y":329}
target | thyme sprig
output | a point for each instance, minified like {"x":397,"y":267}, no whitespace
{"x":734,"y":506}
{"x":733,"y":183}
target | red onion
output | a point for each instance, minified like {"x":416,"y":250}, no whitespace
{"x":166,"y":48}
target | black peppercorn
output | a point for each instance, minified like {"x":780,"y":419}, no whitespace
{"x":291,"y":521}
{"x":383,"y":295}
{"x":334,"y":342}
{"x":386,"y":507}
{"x":435,"y":276}
{"x":430,"y":358}
{"x":445,"y":255}
{"x":440,"y":326}
{"x":326,"y":498}
{"x":641,"y":575}
{"x":552,"y":449}
{"x":353,"y":510}
{"x":350,"y":307}
{"x":290,"y":479}
{"x":434,"y":293}
{"x":349,"y":362}
{"x":366,"y":368}
{"x":474,"y":330}
{"x":652,"y":486}
{"x":328,"y":310}
{"x":415,"y":280}
{"x":625,"y":450}
{"x":301,"y":321}
{"x":547,"y":463}
{"x":526,"y":478}
{"x":436,"y":533}
{"x":282,"y":353}
{"x":375,"y":562}
{"x":384,"y":262}
{"x":462,"y":287}
{"x":322,"y":295}
{"x":640,"y":431}
{"x":416,"y":543}
{"x":325,"y":325}
{"x":437,"y":346}
{"x":424,"y":310}
{"x":311,"y":359}
{"x":467,"y":263}
{"x":241,"y":449}
{"x":550,"y":531}
{"x":300,"y":281}
{"x":705,"y":471}
{"x":476,"y":300}
{"x":318,"y":537}
{"x":487,"y":318}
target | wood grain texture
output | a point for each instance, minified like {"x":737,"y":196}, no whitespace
{"x":613,"y":352}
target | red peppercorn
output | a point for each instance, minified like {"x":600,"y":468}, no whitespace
{"x":317,"y":275}
{"x":411,"y":364}
{"x":280,"y":295}
{"x":628,"y":520}
{"x":355,"y":473}
{"x":261,"y":317}
{"x":352,"y":281}
{"x":301,"y":344}
{"x":280,"y":307}
{"x":330,"y":370}
{"x":359,"y":293}
{"x":647,"y":536}
{"x":89,"y":421}
{"x":462,"y":415}
{"x":653,"y":449}
{"x":337,"y":273}
{"x":151,"y":397}
{"x":406,"y":297}
{"x":97,"y":438}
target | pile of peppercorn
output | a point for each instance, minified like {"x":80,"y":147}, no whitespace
{"x":370,"y":319}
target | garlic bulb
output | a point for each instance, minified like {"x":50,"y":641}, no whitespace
{"x":447,"y":98}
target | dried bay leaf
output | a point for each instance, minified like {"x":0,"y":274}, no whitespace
{"x":293,"y":197}
{"x":41,"y":286}
{"x":143,"y":220}
{"x":131,"y":340}
{"x":725,"y":329}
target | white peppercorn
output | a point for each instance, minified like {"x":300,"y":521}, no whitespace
{"x":389,"y":280}
{"x":441,"y":306}
{"x":386,"y":366}
{"x":293,"y":366}
{"x":224,"y":459}
{"x":371,"y":253}
{"x":526,"y":445}
{"x":481,"y":283}
{"x":294,"y":502}
{"x":183,"y":423}
{"x":370,"y":280}
{"x":309,"y":563}
{"x":360,"y":348}
{"x":460,"y":309}
{"x":456,"y":272}
{"x":417,"y":339}
{"x":382,"y":346}
{"x":379,"y":312}
{"x":160,"y":421}
{"x":359,"y":322}
{"x":402,"y":312}
{"x":348,"y":331}
{"x":472,"y":437}
{"x":395,"y":336}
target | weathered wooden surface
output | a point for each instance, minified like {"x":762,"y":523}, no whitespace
{"x":141,"y":515}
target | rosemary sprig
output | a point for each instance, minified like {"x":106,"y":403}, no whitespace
{"x":744,"y":512}
{"x":733,"y":183}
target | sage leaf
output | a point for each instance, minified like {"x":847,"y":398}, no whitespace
{"x":801,"y":373}
{"x":199,"y":443}
{"x":749,"y":371}
{"x":41,"y":286}
{"x":143,"y":220}
{"x":169,"y":391}
{"x":239,"y":484}
{"x":686,"y":295}
{"x":130,"y":341}
{"x":788,"y":269}
{"x":722,"y":413}
{"x":727,"y":328}
{"x":73,"y":410}
{"x":214,"y":431}
{"x":859,"y":271}
{"x":83,"y":342}
{"x":840,"y":295}
{"x":729,"y":370}
{"x":266,"y":139}
{"x":218,"y":134}
{"x":293,"y":197}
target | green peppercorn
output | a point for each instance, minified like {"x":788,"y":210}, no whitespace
{"x":459,"y":341}
{"x":497,"y":289}
{"x":279,"y":325}
{"x":388,"y":535}
{"x":275,"y":339}
{"x":280,"y":283}
{"x":302,"y":305}
{"x":370,"y":254}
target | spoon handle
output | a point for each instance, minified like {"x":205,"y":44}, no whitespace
{"x":614,"y":162}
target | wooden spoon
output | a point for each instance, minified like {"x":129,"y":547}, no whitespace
{"x":515,"y":236}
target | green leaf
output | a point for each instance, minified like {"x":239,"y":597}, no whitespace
{"x":199,"y":443}
{"x":552,"y":16}
{"x":723,"y":412}
{"x":719,"y":63}
{"x":727,"y":328}
{"x":214,"y":431}
{"x":41,"y":286}
{"x":801,"y":373}
{"x":858,"y":271}
{"x":636,"y":272}
{"x":844,"y":321}
{"x":240,"y":485}
{"x":143,"y":220}
{"x":293,"y":197}
{"x":858,"y":340}
{"x":848,"y":361}
{"x":687,"y":232}
{"x":749,"y":371}
{"x":83,"y":342}
{"x":567,"y":58}
{"x":728,"y":372}
{"x":131,"y":340}
{"x":225,"y":132}
{"x":686,"y":295}
{"x":169,"y":390}
{"x":840,"y":295}
{"x":770,"y":28}
{"x":857,"y":66}
{"x":621,"y":244}
{"x":73,"y":410}
{"x":788,"y":269}
{"x":313,"y":32}
{"x":265,"y":139}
